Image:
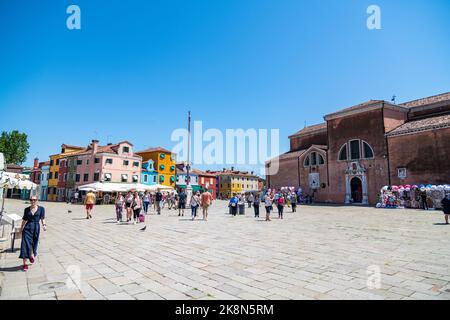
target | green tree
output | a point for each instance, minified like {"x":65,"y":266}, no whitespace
{"x":14,"y":146}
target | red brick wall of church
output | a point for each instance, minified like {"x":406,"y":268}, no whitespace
{"x":300,"y":143}
{"x":425,"y":155}
{"x":394,"y":119}
{"x":368,"y":126}
{"x":287,"y":174}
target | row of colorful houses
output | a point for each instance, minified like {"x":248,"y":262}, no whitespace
{"x":74,"y":166}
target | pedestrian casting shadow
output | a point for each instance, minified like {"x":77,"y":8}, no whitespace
{"x":78,"y":219}
{"x":188,"y":219}
{"x":441,"y":224}
{"x":10,"y":251}
{"x":121,"y":223}
{"x":11,"y":269}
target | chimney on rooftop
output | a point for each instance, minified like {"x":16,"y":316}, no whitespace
{"x":232,"y":168}
{"x":94,"y":146}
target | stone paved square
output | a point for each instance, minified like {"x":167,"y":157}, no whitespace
{"x":319,"y":252}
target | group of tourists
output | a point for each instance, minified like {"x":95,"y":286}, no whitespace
{"x":136,"y":205}
{"x":272,"y":198}
{"x":133,"y":203}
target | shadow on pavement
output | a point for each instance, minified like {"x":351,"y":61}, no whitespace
{"x":11,"y":269}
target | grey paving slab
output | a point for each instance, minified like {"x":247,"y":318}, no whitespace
{"x":320,"y":252}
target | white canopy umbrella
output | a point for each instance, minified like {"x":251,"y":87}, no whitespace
{"x":155,"y":187}
{"x":97,"y":186}
{"x":15,"y":180}
{"x":123,"y":187}
{"x":26,"y":184}
{"x":8,"y":182}
{"x":138,"y":187}
{"x":144,"y":187}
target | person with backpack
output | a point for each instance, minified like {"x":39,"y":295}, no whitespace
{"x":280,"y":205}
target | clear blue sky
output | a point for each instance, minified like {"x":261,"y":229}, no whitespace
{"x":136,"y":67}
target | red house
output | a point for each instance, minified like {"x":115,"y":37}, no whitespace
{"x":207,"y":181}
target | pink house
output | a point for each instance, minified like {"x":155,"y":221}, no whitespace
{"x":110,"y":163}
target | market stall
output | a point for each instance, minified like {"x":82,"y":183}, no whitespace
{"x":413,"y":196}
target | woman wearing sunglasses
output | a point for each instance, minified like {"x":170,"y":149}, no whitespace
{"x":30,"y":231}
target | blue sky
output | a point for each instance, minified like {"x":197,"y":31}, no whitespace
{"x":136,"y":67}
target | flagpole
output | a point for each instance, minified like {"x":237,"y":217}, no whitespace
{"x":188,"y":165}
{"x":189,"y":149}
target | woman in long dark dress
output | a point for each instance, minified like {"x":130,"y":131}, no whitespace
{"x":30,"y":231}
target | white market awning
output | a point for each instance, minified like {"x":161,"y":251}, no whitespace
{"x":13,"y":180}
{"x":123,"y":187}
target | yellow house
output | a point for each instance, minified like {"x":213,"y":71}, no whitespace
{"x":53,"y":178}
{"x":233,"y":182}
{"x":164,"y":164}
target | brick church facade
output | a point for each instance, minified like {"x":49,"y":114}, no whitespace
{"x":358,"y":150}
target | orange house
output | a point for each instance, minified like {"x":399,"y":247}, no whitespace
{"x":164,"y":164}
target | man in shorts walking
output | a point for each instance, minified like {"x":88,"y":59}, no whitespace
{"x":89,"y":201}
{"x":206,"y":200}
